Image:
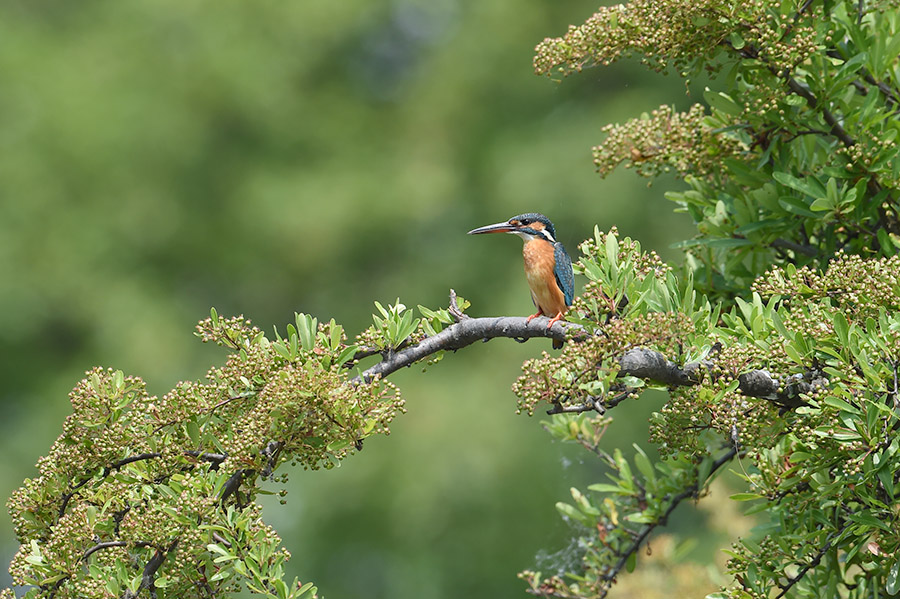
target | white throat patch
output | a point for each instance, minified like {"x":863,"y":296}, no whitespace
{"x":542,"y":234}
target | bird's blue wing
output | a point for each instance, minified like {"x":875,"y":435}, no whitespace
{"x":565,"y":278}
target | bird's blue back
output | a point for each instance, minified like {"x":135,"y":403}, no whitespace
{"x":565,"y":278}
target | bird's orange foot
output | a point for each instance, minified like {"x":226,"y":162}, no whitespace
{"x":555,"y":319}
{"x":533,"y":316}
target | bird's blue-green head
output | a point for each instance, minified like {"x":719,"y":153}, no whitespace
{"x":531,"y":225}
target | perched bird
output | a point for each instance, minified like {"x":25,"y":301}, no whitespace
{"x":548,"y":267}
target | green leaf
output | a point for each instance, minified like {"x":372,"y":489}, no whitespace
{"x":887,"y":480}
{"x":281,"y":350}
{"x":836,"y":402}
{"x":612,"y":250}
{"x":747,"y":496}
{"x":768,"y":223}
{"x":722,"y":102}
{"x":867,"y":519}
{"x":216,"y":548}
{"x":730,"y":242}
{"x":337,"y":332}
{"x":643,"y":464}
{"x":338,"y":444}
{"x":306,"y":329}
{"x":641,"y":518}
{"x":796,"y":206}
{"x":281,"y":588}
{"x":892,"y":584}
{"x":222,"y":574}
{"x":569,"y":511}
{"x":608,"y":488}
{"x":626,"y":478}
{"x":793,"y":354}
{"x":841,"y":327}
{"x":193,"y":431}
{"x":240,"y":568}
{"x":822,"y":205}
{"x":809,"y":185}
{"x":886,"y":243}
{"x":347,"y":354}
{"x":294,"y":349}
{"x":34,"y":560}
{"x":847,"y":72}
{"x":800,"y":456}
{"x":632,"y":381}
{"x":703,"y":471}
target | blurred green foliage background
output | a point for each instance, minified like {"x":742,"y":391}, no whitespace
{"x":158,"y":158}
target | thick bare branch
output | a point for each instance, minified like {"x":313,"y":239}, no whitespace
{"x":650,"y":364}
{"x":149,"y":575}
{"x":466,"y":332}
{"x":640,"y":362}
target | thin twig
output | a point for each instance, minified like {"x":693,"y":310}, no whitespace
{"x":592,"y":402}
{"x":690,"y":491}
{"x":210,"y":410}
{"x":811,"y":564}
{"x":454,"y":308}
{"x":130,"y":460}
{"x":806,"y":250}
{"x":215,"y":458}
{"x":103,"y":545}
{"x":108,"y":544}
{"x":885,"y":220}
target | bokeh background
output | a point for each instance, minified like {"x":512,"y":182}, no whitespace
{"x":158,"y":158}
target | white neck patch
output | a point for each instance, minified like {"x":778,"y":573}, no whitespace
{"x":542,"y":234}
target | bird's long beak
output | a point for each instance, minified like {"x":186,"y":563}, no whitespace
{"x":503,"y":227}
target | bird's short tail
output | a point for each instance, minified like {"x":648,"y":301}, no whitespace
{"x":557,"y":344}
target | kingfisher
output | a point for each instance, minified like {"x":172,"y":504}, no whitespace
{"x":548,"y":267}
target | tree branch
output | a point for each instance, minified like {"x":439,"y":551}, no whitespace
{"x":652,"y":365}
{"x":149,"y":574}
{"x":836,"y":128}
{"x":806,"y":250}
{"x":886,"y":221}
{"x":108,"y":544}
{"x":645,"y":363}
{"x":801,"y":90}
{"x":466,"y":332}
{"x":675,"y":501}
{"x":215,"y":458}
{"x":811,"y":564}
{"x":640,"y":362}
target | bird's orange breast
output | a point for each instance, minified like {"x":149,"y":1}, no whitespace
{"x":539,"y":265}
